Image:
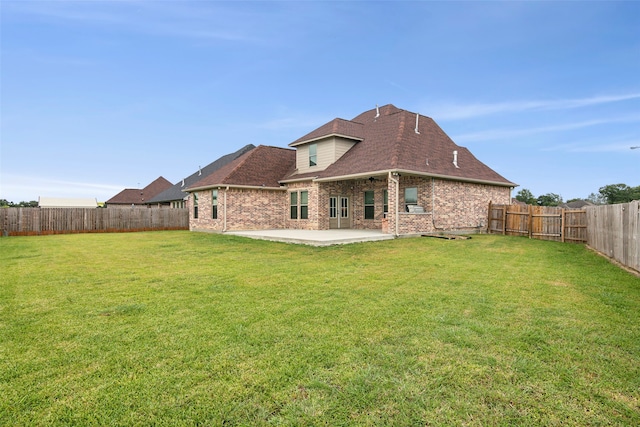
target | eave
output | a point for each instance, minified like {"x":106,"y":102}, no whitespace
{"x":245,"y":187}
{"x":329,"y":135}
{"x":365,"y":175}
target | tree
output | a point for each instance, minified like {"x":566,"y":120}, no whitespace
{"x":526,"y":196}
{"x":597,"y":199}
{"x":4,"y":203}
{"x":619,"y":193}
{"x":549,"y":199}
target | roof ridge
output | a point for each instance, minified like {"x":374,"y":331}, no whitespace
{"x":242,"y":160}
{"x":396,"y":148}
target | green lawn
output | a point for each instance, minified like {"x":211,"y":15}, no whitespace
{"x":179,"y":328}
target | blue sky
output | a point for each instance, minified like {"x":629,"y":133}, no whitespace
{"x":100,"y":96}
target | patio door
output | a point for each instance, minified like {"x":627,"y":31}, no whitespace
{"x":339,"y":212}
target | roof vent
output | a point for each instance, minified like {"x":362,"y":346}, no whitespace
{"x":182,"y":182}
{"x":377,"y":112}
{"x":455,"y":158}
{"x":199,"y":170}
{"x":417,"y":117}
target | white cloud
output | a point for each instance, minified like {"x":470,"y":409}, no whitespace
{"x":501,"y":134}
{"x":466,"y":111}
{"x":623,"y":145}
{"x":204,"y":21}
{"x":18,"y":188}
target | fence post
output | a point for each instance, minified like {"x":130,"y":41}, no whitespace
{"x":489,"y":219}
{"x":562,"y":224}
{"x":504,"y":219}
{"x":530,"y":220}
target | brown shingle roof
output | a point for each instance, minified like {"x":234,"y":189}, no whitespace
{"x":342,"y":127}
{"x":263,"y":166}
{"x":137,"y":196}
{"x":389,"y":143}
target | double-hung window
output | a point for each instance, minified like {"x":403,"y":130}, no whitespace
{"x":386,"y":202}
{"x":304,"y":205}
{"x":214,"y":204}
{"x":410,"y":197}
{"x":313,"y":155}
{"x":369,"y":206}
{"x":294,"y":205}
{"x":195,"y":205}
{"x":299,"y":205}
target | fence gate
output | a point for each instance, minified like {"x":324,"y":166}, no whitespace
{"x":538,"y":222}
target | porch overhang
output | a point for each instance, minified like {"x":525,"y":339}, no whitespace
{"x":366,"y":175}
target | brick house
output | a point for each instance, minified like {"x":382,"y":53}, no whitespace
{"x":386,"y":169}
{"x":137,"y":197}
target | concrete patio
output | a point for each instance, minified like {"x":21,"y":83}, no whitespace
{"x":315,"y":237}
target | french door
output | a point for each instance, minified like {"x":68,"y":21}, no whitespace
{"x":339,"y":212}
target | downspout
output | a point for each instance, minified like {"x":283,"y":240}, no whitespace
{"x":224,"y":227}
{"x":396,"y":216}
{"x":433,"y":205}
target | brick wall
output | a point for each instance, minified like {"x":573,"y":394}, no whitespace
{"x":311,"y":223}
{"x":464,"y":206}
{"x":448,"y":206}
{"x":247,"y":209}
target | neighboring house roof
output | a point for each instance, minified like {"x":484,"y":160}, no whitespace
{"x":262,"y":167}
{"x":576,"y":204}
{"x":176,"y":192}
{"x":138,"y":196}
{"x":388,"y":142}
{"x":57,"y":202}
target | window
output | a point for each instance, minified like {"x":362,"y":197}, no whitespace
{"x":344,"y":207}
{"x":299,"y":210}
{"x":214,"y":204}
{"x":386,"y":201}
{"x":333,"y":207}
{"x":313,"y":154}
{"x":294,"y":205}
{"x":410,"y":197}
{"x":304,"y":205}
{"x":195,"y":205}
{"x":369,"y":206}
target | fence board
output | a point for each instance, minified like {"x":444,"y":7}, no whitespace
{"x":614,"y":230}
{"x":38,"y":221}
{"x":539,"y":222}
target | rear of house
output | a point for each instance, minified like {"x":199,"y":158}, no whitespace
{"x":387,"y":169}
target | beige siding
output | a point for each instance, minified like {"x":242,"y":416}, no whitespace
{"x":302,"y":158}
{"x":342,"y":146}
{"x":329,"y":150}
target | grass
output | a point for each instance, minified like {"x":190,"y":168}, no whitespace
{"x":179,"y":328}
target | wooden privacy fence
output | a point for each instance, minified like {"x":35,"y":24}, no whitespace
{"x":40,"y":221}
{"x":539,"y":222}
{"x":614,"y":230}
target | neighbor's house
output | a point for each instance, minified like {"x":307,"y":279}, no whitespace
{"x":67,"y":202}
{"x":174,"y":196}
{"x":137,"y":197}
{"x":387,"y":169}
